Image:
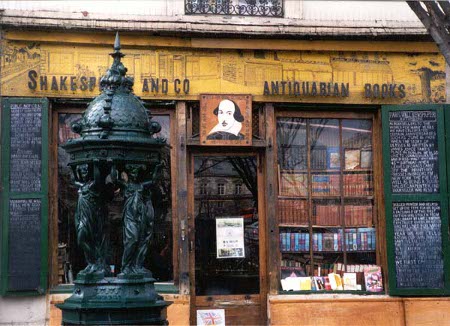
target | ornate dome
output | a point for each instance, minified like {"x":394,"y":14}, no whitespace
{"x":116,"y":126}
{"x":116,"y":110}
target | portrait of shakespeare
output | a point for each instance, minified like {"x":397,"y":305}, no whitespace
{"x":229,"y":122}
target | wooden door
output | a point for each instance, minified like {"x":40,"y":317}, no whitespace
{"x":227,"y":237}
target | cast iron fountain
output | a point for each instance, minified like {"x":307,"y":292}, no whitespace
{"x":117,"y":149}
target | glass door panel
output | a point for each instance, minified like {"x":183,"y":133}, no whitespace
{"x":226,"y":225}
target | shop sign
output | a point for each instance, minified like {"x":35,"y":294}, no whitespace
{"x":226,"y":120}
{"x":230,"y":237}
{"x":89,"y":83}
{"x":312,"y":88}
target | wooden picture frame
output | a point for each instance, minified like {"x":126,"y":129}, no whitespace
{"x":226,"y":120}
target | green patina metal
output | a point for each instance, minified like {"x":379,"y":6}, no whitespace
{"x":117,"y":150}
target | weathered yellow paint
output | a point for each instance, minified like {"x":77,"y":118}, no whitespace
{"x":220,"y":71}
{"x":133,"y":40}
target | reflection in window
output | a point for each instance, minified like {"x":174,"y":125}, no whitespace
{"x":221,"y":189}
{"x":237,"y":188}
{"x":230,"y":270}
{"x":203,"y":189}
{"x":70,"y":257}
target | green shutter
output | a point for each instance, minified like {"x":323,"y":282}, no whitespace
{"x":24,"y":205}
{"x":408,"y":201}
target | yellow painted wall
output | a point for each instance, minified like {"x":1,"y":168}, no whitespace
{"x":222,"y":71}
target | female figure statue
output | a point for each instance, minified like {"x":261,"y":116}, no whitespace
{"x":90,"y":218}
{"x":138,"y":217}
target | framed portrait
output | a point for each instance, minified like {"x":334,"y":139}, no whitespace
{"x":226,"y":120}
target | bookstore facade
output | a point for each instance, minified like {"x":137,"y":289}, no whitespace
{"x":305,"y":181}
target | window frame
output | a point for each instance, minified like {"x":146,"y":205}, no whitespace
{"x":339,"y":112}
{"x":63,"y":107}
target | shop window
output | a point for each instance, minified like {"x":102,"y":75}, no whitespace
{"x":326,"y":204}
{"x":70,"y":257}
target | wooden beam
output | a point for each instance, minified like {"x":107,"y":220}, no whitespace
{"x":132,"y":40}
{"x":182,"y":204}
{"x":273,"y":260}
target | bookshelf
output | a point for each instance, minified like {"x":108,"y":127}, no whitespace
{"x":326,"y":202}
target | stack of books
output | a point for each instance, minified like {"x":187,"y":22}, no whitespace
{"x":327,"y":241}
{"x":358,"y":215}
{"x":361,"y":239}
{"x":326,"y":215}
{"x":295,"y":242}
{"x":325,"y":184}
{"x":293,"y":184}
{"x":293,"y":212}
{"x":358,"y":184}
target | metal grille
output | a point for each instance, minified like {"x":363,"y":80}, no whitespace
{"x":265,"y":8}
{"x":256,"y":132}
{"x":195,"y":120}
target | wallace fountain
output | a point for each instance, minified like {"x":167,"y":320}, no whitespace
{"x":117,"y":151}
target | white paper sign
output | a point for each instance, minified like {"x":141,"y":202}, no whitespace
{"x":211,"y":317}
{"x":230,"y":237}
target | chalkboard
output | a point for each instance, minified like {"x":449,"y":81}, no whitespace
{"x":26,"y":148}
{"x":418,"y":245}
{"x":24,"y":262}
{"x":414,"y":151}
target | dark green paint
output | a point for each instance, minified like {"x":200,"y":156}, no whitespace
{"x":6,"y":194}
{"x":442,"y":198}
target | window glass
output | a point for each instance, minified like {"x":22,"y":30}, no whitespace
{"x":70,"y":256}
{"x":226,"y":226}
{"x":325,"y":203}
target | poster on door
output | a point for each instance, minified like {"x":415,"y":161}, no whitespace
{"x":230,"y":237}
{"x":211,"y":317}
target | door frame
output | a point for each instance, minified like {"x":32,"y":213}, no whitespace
{"x":237,"y":299}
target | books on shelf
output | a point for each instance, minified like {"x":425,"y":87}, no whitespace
{"x":360,"y":239}
{"x":293,"y":184}
{"x":326,"y":215}
{"x":325,"y":184}
{"x":363,"y":277}
{"x":358,"y":184}
{"x":358,"y":215}
{"x":356,"y":239}
{"x":292,"y":211}
{"x":296,"y":242}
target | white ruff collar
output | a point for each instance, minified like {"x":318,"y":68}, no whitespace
{"x":235,"y":129}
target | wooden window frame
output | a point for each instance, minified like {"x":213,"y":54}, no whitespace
{"x":362,"y":112}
